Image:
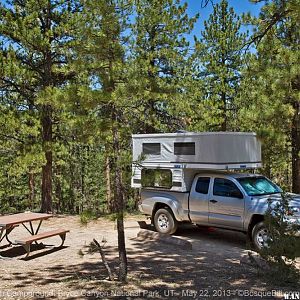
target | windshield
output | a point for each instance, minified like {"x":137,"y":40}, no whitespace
{"x":256,"y":186}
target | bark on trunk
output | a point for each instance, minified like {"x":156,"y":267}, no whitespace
{"x":47,"y":168}
{"x":119,"y":205}
{"x":31,"y":185}
{"x":296,"y":149}
{"x":108,"y":185}
{"x":58,"y":190}
{"x":84,"y":153}
{"x":122,"y":248}
{"x":137,"y":199}
{"x":224,"y":112}
{"x":105,"y":262}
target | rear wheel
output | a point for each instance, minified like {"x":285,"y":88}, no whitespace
{"x":164,"y":221}
{"x":260,"y":236}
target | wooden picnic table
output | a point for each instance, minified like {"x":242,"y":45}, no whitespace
{"x":9,"y":222}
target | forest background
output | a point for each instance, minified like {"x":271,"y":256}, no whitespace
{"x":77,"y":78}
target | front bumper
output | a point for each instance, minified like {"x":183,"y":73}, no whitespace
{"x":141,"y":208}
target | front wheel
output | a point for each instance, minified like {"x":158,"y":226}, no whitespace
{"x":260,"y":236}
{"x":164,"y":221}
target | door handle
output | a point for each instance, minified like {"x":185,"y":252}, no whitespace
{"x":213,"y":201}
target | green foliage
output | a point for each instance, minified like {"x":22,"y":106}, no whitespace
{"x":87,"y":216}
{"x":98,"y":71}
{"x":79,"y":183}
{"x":36,"y":42}
{"x":158,"y":65}
{"x":283,"y":246}
{"x":217,"y":63}
{"x":269,"y":96}
{"x":131,"y":205}
{"x":6,"y":208}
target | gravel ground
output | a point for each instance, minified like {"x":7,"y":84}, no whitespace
{"x":216,"y":267}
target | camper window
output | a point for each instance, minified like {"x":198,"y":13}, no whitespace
{"x":151,"y":148}
{"x":157,"y":178}
{"x":184,"y":148}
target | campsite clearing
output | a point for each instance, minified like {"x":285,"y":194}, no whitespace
{"x":216,"y":265}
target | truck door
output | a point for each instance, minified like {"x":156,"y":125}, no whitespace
{"x":226,"y":204}
{"x":198,"y":202}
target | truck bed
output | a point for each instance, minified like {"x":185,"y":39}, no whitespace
{"x":178,"y":201}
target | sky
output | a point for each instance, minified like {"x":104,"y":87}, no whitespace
{"x":239,"y":6}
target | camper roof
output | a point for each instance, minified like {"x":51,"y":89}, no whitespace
{"x":189,"y":134}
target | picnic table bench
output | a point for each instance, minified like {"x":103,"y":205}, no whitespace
{"x":26,"y":242}
{"x":10,"y":222}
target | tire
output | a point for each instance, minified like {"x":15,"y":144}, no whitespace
{"x":165,"y":222}
{"x":260,"y":236}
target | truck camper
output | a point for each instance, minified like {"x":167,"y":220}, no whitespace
{"x":204,"y":178}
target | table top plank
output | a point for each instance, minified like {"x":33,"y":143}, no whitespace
{"x":14,"y":219}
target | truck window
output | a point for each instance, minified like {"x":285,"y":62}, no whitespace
{"x":157,"y":178}
{"x":202,"y":185}
{"x":226,"y":188}
{"x":256,"y":186}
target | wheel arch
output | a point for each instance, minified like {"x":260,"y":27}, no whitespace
{"x":159,"y":205}
{"x":256,"y":218}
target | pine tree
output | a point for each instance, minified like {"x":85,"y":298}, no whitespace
{"x":271,"y":87}
{"x":36,"y":39}
{"x":102,"y":54}
{"x":218,"y":60}
{"x":280,"y":10}
{"x":158,"y":65}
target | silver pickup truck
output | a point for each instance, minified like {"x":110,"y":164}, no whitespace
{"x":236,"y":201}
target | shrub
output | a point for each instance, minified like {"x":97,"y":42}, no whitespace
{"x":87,"y":216}
{"x":283,"y":246}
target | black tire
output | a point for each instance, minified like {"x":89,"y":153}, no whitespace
{"x":259,"y":236}
{"x":165,"y":222}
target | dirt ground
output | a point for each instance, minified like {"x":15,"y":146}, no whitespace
{"x":216,"y":267}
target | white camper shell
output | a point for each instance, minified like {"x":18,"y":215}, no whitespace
{"x":187,"y":153}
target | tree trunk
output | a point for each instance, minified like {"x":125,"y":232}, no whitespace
{"x":58,"y":190}
{"x":224,"y":112}
{"x":122,"y":248}
{"x":296,"y":149}
{"x":137,"y":198}
{"x":119,"y":204}
{"x":82,"y":174}
{"x":47,"y":168}
{"x":108,"y":185}
{"x":31,"y":185}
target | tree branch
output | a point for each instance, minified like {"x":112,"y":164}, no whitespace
{"x":99,"y":248}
